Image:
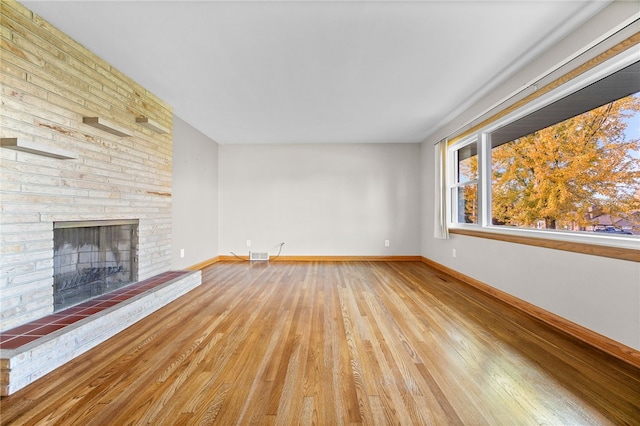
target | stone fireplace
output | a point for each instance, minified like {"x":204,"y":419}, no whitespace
{"x":92,"y":258}
{"x":103,"y":176}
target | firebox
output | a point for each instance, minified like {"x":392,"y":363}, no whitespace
{"x":92,"y":258}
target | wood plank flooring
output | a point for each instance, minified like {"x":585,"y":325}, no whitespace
{"x":332,"y":343}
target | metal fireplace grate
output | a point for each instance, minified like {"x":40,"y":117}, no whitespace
{"x":92,"y":258}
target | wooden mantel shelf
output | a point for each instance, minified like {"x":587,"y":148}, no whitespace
{"x":31,"y":147}
{"x":153,"y":125}
{"x":107,"y":126}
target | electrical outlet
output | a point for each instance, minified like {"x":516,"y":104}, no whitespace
{"x":386,"y":243}
{"x":454,"y":253}
{"x":248,"y":243}
{"x":181,"y":252}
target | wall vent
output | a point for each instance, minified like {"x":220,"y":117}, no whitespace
{"x":258,"y":256}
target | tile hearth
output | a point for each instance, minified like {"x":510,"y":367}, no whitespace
{"x":21,"y":335}
{"x":29,"y":351}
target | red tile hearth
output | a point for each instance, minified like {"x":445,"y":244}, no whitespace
{"x":26,"y":333}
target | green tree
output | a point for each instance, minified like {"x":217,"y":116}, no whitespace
{"x":560,"y":173}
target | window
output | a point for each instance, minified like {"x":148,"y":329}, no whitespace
{"x":465,"y":189}
{"x":567,"y":163}
{"x":581,"y":174}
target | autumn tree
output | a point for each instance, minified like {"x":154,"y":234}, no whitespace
{"x":558,"y":174}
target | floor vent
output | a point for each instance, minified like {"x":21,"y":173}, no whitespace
{"x":258,"y":256}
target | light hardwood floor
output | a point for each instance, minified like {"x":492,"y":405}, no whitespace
{"x":331,"y":344}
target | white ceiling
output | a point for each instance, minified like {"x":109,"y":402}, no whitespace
{"x":323,"y":71}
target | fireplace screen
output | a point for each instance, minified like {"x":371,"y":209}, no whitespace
{"x":92,"y":258}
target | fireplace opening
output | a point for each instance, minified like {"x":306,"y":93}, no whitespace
{"x":92,"y":258}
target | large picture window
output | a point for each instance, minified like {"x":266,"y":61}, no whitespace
{"x":570,"y":164}
{"x":581,"y":174}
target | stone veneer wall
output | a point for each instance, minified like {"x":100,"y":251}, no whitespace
{"x":48,"y":84}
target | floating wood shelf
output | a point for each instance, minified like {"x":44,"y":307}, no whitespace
{"x":36,"y":148}
{"x":153,"y":125}
{"x":102,"y":124}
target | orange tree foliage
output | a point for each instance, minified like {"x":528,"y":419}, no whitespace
{"x":469,"y":168}
{"x":560,"y":173}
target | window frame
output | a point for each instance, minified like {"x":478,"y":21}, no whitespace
{"x":616,"y":246}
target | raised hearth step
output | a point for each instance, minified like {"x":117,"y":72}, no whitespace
{"x":32,"y":350}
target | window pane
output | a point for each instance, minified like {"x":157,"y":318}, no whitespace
{"x":467,"y":208}
{"x":467,"y":163}
{"x":582,"y":174}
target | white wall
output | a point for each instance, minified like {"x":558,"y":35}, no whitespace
{"x":599,"y":293}
{"x":342,"y":200}
{"x":195,"y":196}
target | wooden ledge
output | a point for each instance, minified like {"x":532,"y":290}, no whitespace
{"x":621,"y":253}
{"x":107,"y":126}
{"x":152,"y":125}
{"x":31,"y":147}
